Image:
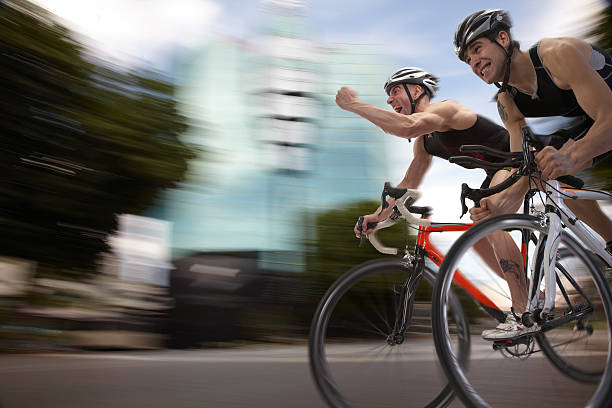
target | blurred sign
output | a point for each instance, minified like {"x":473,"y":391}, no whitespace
{"x":15,"y":276}
{"x":286,"y":3}
{"x":143,"y":247}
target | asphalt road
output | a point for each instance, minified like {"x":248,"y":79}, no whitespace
{"x":258,"y":376}
{"x":261,"y":377}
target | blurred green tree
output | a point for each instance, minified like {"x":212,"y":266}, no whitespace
{"x":601,"y":29}
{"x":81,"y":141}
{"x":601,"y":32}
{"x":332,"y":250}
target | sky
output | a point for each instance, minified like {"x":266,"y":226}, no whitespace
{"x":153,"y":33}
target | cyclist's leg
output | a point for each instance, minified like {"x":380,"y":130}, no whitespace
{"x":483,"y":247}
{"x":508,"y":257}
{"x":590,"y":213}
{"x":485,"y":251}
{"x":511,"y":263}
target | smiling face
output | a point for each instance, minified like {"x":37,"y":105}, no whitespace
{"x":398,"y":99}
{"x":487,"y":59}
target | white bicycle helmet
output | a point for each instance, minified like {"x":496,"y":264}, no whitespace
{"x":416,"y":76}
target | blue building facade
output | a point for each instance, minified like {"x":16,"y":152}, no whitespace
{"x":275,"y":147}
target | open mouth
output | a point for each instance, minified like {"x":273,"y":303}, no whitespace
{"x":484,"y":70}
{"x":398,"y":109}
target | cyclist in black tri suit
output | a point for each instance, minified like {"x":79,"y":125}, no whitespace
{"x":439,"y":128}
{"x":557,"y":77}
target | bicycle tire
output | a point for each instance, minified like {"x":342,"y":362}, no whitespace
{"x":549,"y":348}
{"x":474,"y":385}
{"x":330,"y":385}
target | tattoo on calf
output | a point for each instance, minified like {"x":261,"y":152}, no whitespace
{"x":502,"y":111}
{"x":510,"y":267}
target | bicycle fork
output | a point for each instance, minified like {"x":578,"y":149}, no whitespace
{"x":544,"y":268}
{"x":406,"y":292}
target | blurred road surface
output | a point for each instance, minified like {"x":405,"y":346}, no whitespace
{"x":258,"y":376}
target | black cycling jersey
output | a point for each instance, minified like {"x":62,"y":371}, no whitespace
{"x":483,"y":132}
{"x":550,"y":100}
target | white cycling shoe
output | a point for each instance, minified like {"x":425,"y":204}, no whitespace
{"x":509,"y":330}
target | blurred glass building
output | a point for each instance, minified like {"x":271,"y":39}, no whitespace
{"x":276,"y":148}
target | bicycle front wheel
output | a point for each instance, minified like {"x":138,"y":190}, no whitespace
{"x":574,"y":337}
{"x":354,"y":362}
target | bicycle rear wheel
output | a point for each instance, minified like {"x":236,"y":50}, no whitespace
{"x":351,"y":359}
{"x":579,"y":337}
{"x":576,"y":340}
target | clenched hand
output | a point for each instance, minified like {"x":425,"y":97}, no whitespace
{"x":346,"y":97}
{"x":554,"y":163}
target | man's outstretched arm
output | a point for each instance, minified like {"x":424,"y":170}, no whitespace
{"x":397,"y":124}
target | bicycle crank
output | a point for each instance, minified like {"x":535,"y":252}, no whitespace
{"x":394,"y":339}
{"x":516,"y":349}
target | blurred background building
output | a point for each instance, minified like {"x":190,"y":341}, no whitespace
{"x":232,"y":248}
{"x":275,"y":146}
{"x":276,"y":151}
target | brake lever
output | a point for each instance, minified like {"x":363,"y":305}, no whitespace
{"x":359,"y":228}
{"x":362,"y":236}
{"x":393,"y":192}
{"x":472,"y":194}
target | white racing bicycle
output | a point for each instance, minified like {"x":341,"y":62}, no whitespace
{"x":569,"y":301}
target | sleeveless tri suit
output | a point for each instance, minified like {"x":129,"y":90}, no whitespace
{"x":550,"y":100}
{"x":483,"y":132}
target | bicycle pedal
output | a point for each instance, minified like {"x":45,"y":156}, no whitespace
{"x":546,"y":317}
{"x":502,"y":344}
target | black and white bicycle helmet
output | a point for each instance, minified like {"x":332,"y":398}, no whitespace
{"x":477,"y":25}
{"x":413,"y":75}
{"x":483,"y":23}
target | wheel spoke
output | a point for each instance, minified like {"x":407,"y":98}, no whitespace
{"x":352,"y":359}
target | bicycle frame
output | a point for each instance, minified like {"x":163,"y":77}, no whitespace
{"x":433,"y":253}
{"x":414,"y":265}
{"x":556,"y":215}
{"x":424,"y":247}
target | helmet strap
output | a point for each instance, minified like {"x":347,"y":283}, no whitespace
{"x":414,"y":102}
{"x":504,"y":85}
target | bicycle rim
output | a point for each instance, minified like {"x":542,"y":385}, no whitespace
{"x":351,"y":361}
{"x":568,"y":346}
{"x":522,"y":374}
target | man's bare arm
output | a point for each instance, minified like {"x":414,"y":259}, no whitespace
{"x":406,"y":126}
{"x":415,"y":173}
{"x":412,"y":179}
{"x":418,"y":167}
{"x":568,"y":61}
{"x":508,"y":200}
